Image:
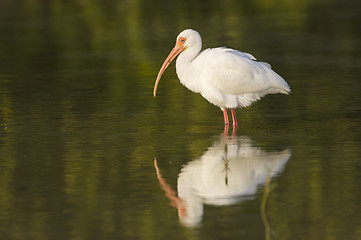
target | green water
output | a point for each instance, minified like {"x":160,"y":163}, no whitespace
{"x":80,"y":129}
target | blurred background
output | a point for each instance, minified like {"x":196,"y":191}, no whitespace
{"x":79,"y":127}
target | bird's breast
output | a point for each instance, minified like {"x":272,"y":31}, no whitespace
{"x":189,"y":75}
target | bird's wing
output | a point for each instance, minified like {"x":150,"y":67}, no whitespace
{"x":235,"y":72}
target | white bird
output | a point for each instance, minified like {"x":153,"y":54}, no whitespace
{"x":225,"y":77}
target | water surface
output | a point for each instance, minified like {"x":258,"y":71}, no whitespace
{"x":80,"y":129}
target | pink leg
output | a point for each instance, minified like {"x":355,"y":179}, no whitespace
{"x":234,"y":118}
{"x":225,"y":116}
{"x":225,"y":131}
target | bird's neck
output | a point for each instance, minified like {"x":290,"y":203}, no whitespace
{"x":184,"y":63}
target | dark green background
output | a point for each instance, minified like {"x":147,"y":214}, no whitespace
{"x":79,"y":127}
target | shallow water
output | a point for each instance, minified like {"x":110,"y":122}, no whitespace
{"x":80,"y":129}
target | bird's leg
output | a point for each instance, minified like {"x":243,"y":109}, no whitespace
{"x":226,"y":122}
{"x":234,"y":131}
{"x":225,"y":116}
{"x":234,"y":118}
{"x":225,"y":131}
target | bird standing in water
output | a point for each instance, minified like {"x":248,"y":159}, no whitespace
{"x":225,"y":77}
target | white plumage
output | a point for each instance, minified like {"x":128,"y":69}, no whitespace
{"x":225,"y":77}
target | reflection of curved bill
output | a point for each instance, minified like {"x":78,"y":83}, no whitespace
{"x":228,"y":172}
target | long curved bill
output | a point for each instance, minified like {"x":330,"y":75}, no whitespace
{"x":175,"y":51}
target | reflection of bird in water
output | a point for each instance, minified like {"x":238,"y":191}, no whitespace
{"x":228,"y":172}
{"x":225,"y":77}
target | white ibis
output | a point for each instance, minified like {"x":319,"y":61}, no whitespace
{"x":225,"y":77}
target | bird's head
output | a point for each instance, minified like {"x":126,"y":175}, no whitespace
{"x":186,"y":39}
{"x":189,"y":38}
